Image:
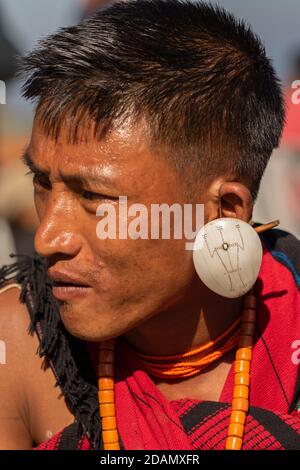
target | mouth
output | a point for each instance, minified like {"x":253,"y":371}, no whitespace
{"x":66,"y":287}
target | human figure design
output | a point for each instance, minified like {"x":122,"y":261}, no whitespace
{"x":229,"y":255}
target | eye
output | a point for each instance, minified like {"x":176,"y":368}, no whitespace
{"x":90,"y":196}
{"x":40,"y":180}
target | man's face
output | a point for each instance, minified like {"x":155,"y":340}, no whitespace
{"x":123,"y":282}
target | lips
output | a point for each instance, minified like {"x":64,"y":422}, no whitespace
{"x":68,"y":286}
{"x":60,"y":277}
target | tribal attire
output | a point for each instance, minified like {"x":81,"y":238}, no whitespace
{"x":146,"y":419}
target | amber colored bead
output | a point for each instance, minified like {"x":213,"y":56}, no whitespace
{"x":247,"y":328}
{"x":107,"y":409}
{"x":106,"y":355}
{"x":242,"y":366}
{"x":240,"y":404}
{"x":106,"y":396}
{"x":249,"y":315}
{"x":109,"y":423}
{"x":244,"y":353}
{"x":242,"y":379}
{"x":105,"y":369}
{"x":236,"y":430}
{"x":112,"y":446}
{"x":108,"y":344}
{"x":238,"y":417}
{"x":234,"y":443}
{"x":106,"y":383}
{"x":110,"y":437}
{"x":250,"y":301}
{"x":241,"y":391}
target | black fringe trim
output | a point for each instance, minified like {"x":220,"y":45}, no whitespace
{"x":67,"y":355}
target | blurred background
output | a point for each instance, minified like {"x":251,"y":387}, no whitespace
{"x":23,"y":22}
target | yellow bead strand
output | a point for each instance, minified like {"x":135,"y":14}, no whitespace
{"x":241,"y":390}
{"x":106,"y":395}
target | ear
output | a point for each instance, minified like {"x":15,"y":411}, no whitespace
{"x":225,"y":198}
{"x":236,"y":201}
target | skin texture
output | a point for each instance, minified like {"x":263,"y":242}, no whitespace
{"x":31,"y":407}
{"x":146,"y":290}
{"x":133,"y":282}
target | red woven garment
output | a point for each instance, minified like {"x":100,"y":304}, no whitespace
{"x":156,"y":423}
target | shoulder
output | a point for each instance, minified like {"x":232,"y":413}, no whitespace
{"x":19,"y":348}
{"x":29,"y":388}
{"x":285,"y":249}
{"x":278,"y":322}
{"x":14,"y":320}
{"x":15,"y":350}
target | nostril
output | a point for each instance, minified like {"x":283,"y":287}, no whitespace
{"x":51,"y":240}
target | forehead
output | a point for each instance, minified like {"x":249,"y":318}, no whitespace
{"x":118,"y":147}
{"x":124,"y":155}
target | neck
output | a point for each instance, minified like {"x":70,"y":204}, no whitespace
{"x":200,"y":317}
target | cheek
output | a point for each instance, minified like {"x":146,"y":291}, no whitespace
{"x":173,"y":265}
{"x":140,"y":265}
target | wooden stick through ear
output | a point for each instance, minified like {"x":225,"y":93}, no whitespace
{"x":269,"y":226}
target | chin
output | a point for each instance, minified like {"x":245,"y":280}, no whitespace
{"x":83,"y":323}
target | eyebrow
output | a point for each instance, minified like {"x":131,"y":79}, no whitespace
{"x":27,"y":160}
{"x":77,"y":178}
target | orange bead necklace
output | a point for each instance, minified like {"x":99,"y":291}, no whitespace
{"x":194,"y":361}
{"x":181,"y":365}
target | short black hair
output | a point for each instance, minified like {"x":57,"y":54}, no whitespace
{"x":198,"y":76}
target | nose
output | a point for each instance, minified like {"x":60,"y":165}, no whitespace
{"x":58,"y":232}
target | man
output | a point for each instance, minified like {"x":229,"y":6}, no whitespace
{"x":164,"y":102}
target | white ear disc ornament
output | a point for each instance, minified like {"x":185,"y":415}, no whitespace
{"x":227,"y":256}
